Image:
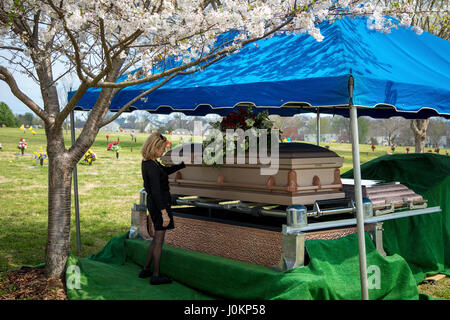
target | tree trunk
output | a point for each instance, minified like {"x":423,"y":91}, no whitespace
{"x":59,"y":204}
{"x":419,"y":127}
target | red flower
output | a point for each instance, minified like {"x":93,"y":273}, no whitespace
{"x":110,"y":145}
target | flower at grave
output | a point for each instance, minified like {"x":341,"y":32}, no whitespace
{"x":89,"y":157}
{"x":22,"y":144}
{"x":40,"y":156}
{"x":436,"y":149}
{"x":33,"y":132}
{"x":328,"y":147}
{"x":113,"y":146}
{"x":373,"y":147}
{"x":407,"y":149}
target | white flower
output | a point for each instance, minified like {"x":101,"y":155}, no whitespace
{"x":250,"y":122}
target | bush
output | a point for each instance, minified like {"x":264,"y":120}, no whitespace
{"x":7,"y":118}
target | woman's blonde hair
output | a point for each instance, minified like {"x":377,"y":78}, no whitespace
{"x":154,"y":141}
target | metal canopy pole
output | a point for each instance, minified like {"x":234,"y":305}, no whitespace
{"x":75,"y":185}
{"x":318,"y":126}
{"x":358,"y":191}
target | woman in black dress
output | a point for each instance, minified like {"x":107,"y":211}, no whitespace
{"x":156,"y":184}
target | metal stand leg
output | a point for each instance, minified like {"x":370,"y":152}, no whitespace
{"x":292,"y":252}
{"x":293,"y":247}
{"x":139,"y":220}
{"x":377,"y":238}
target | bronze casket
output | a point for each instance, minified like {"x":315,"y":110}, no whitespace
{"x":306,"y":173}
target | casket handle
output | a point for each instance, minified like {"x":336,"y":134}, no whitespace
{"x":292,"y":181}
{"x":337,"y":177}
{"x":316,"y":182}
{"x":220,"y":179}
{"x":270,"y":182}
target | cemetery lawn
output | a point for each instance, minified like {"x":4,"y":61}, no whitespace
{"x":107,"y":191}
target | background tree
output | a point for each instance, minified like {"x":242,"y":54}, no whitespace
{"x":392,"y":127}
{"x":100,"y":41}
{"x":436,"y":130}
{"x":7,"y":118}
{"x":26,"y":119}
{"x":363,"y":129}
{"x":419,"y":128}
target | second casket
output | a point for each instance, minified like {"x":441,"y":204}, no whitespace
{"x":305,"y":173}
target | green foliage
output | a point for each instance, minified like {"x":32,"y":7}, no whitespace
{"x":7,"y":117}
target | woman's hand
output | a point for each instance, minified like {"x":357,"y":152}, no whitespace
{"x":165,"y":217}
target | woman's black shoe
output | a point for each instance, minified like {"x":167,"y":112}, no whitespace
{"x":156,"y":280}
{"x":145,"y":273}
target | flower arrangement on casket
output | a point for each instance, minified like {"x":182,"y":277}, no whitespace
{"x":246,"y":120}
{"x":89,"y":157}
{"x":40,"y":156}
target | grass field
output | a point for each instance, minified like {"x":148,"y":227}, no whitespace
{"x":107,"y":191}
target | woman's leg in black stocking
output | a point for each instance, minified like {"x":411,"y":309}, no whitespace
{"x":158,"y":239}
{"x":149,"y":254}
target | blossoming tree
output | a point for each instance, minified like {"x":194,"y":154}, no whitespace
{"x":99,"y":41}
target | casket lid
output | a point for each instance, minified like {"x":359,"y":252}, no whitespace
{"x":304,"y":150}
{"x":287,"y":150}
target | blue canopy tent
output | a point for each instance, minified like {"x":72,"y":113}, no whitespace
{"x":400,"y":73}
{"x":354,"y":71}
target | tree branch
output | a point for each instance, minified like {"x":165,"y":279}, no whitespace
{"x":125,"y":107}
{"x":104,"y":45}
{"x":72,"y":40}
{"x":12,"y":48}
{"x":7,"y":77}
{"x":159,"y":85}
{"x":72,"y":103}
